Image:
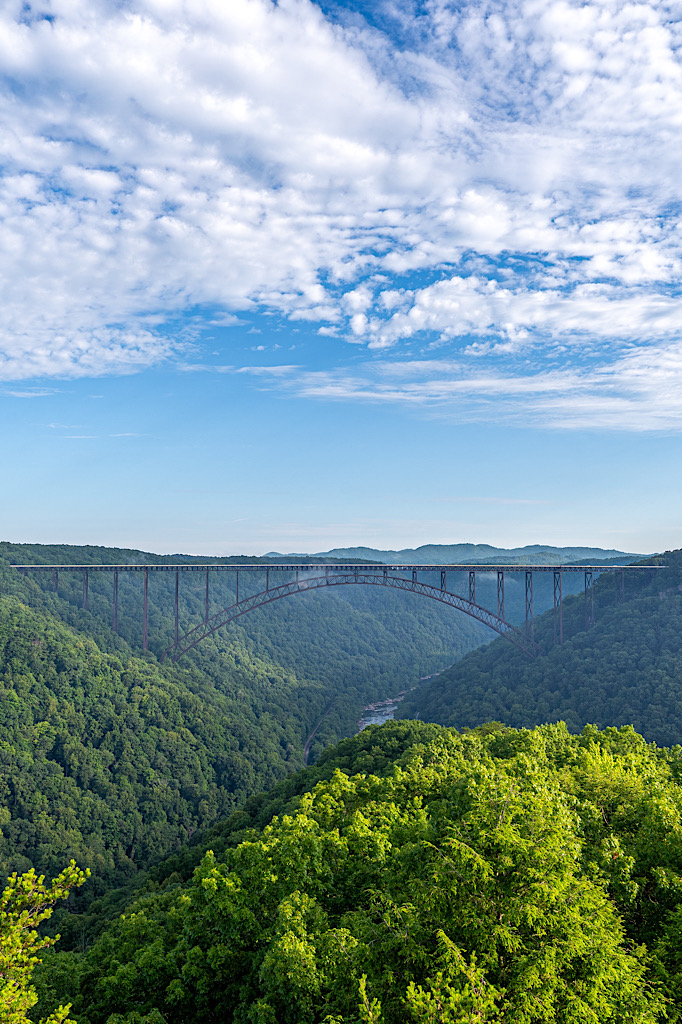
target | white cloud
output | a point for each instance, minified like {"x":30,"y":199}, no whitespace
{"x":162,"y":156}
{"x":638,"y":390}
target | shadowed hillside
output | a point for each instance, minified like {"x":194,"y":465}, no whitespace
{"x":627,"y":669}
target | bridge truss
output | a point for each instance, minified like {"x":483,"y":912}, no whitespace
{"x":309,"y":576}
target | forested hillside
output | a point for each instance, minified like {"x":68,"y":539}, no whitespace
{"x":415,"y":874}
{"x":113,"y":759}
{"x":624,"y":670}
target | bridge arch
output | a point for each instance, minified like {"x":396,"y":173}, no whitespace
{"x":352,"y":577}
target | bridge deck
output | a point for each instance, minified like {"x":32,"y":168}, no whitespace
{"x":331,"y":566}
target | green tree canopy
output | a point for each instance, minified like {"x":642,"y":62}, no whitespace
{"x":25,"y":903}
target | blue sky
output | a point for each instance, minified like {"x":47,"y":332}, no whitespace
{"x":292,"y":276}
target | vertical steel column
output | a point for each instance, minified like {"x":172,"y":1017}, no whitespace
{"x":85,"y":590}
{"x":500,"y":593}
{"x":592,"y":602}
{"x":355,"y":573}
{"x":55,"y":580}
{"x":414,"y":575}
{"x":530,"y":625}
{"x":589,"y":599}
{"x":237,"y":601}
{"x":206,"y":600}
{"x":114,"y":621}
{"x":145,"y":613}
{"x":472,"y":587}
{"x":443,"y":581}
{"x":267,"y":579}
{"x":176,"y":631}
{"x":558,"y":608}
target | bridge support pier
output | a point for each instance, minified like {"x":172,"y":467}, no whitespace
{"x":530,"y":625}
{"x":500,"y":594}
{"x":114,"y":617}
{"x":589,"y":599}
{"x":145,"y":613}
{"x":206,"y":600}
{"x":558,"y":608}
{"x":472,"y":587}
{"x":55,"y":581}
{"x":85,"y":591}
{"x":444,"y":581}
{"x":176,"y":631}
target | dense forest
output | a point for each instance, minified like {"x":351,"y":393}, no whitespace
{"x":624,"y":670}
{"x":414,"y":874}
{"x":113,"y":759}
{"x":523,"y":871}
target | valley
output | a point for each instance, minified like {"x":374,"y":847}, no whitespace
{"x":155,"y":776}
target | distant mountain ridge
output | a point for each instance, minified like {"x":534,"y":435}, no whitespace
{"x":433,"y":554}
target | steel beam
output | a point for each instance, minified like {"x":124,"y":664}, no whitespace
{"x":589,"y":599}
{"x":472,"y":586}
{"x":258,"y":567}
{"x":177,"y":588}
{"x":500,"y":593}
{"x":444,"y":581}
{"x":530,"y":625}
{"x":237,"y":585}
{"x":206,"y":599}
{"x":145,"y":614}
{"x":558,"y":608}
{"x":114,"y":617}
{"x":85,"y":590}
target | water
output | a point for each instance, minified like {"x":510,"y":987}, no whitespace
{"x":383,"y":710}
{"x":380,"y":712}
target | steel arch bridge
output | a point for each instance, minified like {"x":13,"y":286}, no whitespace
{"x":314,"y":576}
{"x":206,"y":628}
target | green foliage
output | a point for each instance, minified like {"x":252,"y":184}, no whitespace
{"x":525,"y":876}
{"x":117,"y":760}
{"x":24,"y":904}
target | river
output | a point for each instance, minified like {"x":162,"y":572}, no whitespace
{"x":380,"y":712}
{"x":383,"y":710}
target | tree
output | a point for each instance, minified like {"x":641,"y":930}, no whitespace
{"x":24,"y":904}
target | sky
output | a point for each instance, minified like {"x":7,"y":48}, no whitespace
{"x":291,"y":276}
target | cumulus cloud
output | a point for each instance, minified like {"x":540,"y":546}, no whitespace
{"x":497,"y":178}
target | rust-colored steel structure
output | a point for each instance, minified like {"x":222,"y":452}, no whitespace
{"x":314,"y":576}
